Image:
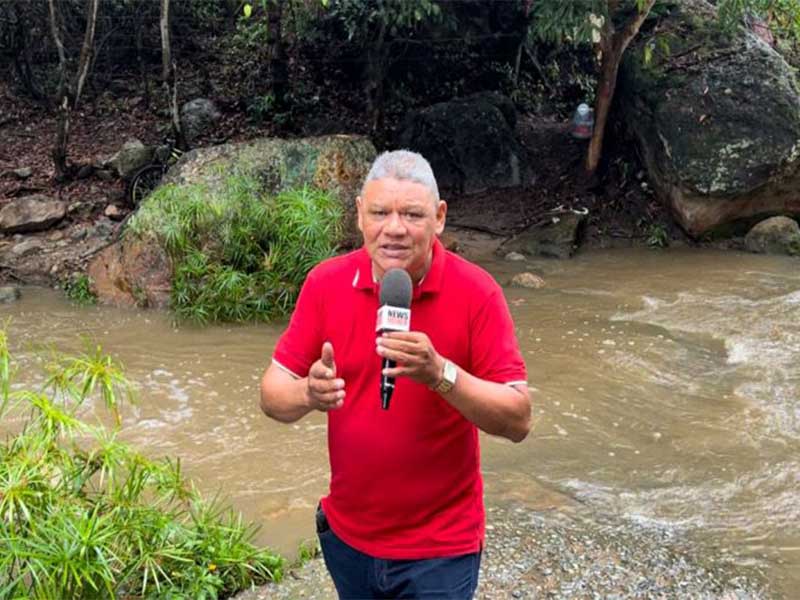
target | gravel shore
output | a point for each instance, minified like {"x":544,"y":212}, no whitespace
{"x":532,"y":554}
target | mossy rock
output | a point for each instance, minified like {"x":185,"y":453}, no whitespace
{"x":776,"y":235}
{"x":335,"y":163}
{"x":717,"y":118}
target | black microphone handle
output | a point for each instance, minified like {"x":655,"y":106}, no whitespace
{"x":387,"y":384}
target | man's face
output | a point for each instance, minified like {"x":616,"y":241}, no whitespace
{"x":399,"y":221}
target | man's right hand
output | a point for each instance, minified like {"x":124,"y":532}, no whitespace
{"x":324,"y":391}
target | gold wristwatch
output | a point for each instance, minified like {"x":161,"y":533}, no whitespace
{"x":448,"y":380}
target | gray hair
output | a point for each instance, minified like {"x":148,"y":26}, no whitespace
{"x":405,"y":166}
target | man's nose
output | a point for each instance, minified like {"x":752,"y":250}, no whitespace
{"x":395,"y":226}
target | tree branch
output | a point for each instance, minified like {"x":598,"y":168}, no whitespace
{"x":62,"y":59}
{"x":624,"y":37}
{"x":86,"y":51}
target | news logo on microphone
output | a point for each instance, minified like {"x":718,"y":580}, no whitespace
{"x":393,"y":318}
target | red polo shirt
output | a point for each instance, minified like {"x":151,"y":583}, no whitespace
{"x":405,"y":482}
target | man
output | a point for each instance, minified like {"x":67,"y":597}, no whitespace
{"x":404,"y":517}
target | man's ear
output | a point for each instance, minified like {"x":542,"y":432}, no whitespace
{"x":441,"y":214}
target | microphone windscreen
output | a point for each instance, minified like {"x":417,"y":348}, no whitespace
{"x":396,"y":288}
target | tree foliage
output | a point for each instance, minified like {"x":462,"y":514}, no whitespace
{"x":385,"y":56}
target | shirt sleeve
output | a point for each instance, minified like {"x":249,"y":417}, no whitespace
{"x":494,"y":350}
{"x":301,"y":344}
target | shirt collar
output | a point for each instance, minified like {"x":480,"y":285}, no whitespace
{"x":431,"y":282}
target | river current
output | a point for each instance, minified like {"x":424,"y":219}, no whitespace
{"x":666,"y":389}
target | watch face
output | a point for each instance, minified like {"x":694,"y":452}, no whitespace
{"x":450,"y":372}
{"x":448,"y":378}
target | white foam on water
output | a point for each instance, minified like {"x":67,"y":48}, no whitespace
{"x":761,"y":342}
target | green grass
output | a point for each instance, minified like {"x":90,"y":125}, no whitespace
{"x":85,"y":516}
{"x":239,"y":255}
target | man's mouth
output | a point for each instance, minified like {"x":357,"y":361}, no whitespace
{"x":394,"y":250}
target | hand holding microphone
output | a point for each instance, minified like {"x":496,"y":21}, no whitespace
{"x":405,"y":353}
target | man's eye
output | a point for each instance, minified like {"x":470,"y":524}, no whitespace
{"x":379,"y":213}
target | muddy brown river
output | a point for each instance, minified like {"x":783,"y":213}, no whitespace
{"x":666,"y":389}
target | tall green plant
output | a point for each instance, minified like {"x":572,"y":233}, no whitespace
{"x":85,"y":516}
{"x":5,"y":371}
{"x":239,"y":255}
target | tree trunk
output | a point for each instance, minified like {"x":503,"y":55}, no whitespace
{"x":166,"y":51}
{"x":605,"y":94}
{"x":86,"y":51}
{"x":613,"y":45}
{"x":59,"y":152}
{"x":67,"y":96}
{"x":140,"y":61}
{"x":277,"y":56}
{"x":168,"y":77}
{"x":377,"y":57}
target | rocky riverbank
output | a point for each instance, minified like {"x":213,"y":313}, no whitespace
{"x":546,"y":554}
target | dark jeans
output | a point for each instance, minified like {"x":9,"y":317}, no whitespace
{"x":358,"y":576}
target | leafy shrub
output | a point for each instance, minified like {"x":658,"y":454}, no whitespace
{"x":83,"y":515}
{"x":79,"y":289}
{"x":657,"y":236}
{"x":238,"y":254}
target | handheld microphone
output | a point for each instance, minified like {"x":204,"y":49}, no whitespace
{"x":393,"y":315}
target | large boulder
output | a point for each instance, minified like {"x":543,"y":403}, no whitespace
{"x":470,"y":142}
{"x":777,"y":235}
{"x":136,"y":271}
{"x":335,"y":163}
{"x":717,"y":119}
{"x":198,"y":116}
{"x":36,"y":212}
{"x":132,"y":272}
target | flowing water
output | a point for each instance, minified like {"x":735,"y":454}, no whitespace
{"x":666,"y":390}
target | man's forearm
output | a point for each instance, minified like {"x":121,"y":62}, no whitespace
{"x":283,"y":397}
{"x":495,"y":408}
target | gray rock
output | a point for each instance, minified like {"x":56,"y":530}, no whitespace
{"x":527,"y":280}
{"x":9,"y":293}
{"x":79,"y":234}
{"x":557,"y":239}
{"x":78,"y":207}
{"x":335,"y":163}
{"x":130,"y":158}
{"x":514,"y":257}
{"x":470,"y":142}
{"x":22,"y":172}
{"x":26,"y":247}
{"x":31,"y":213}
{"x":113,"y":212}
{"x":198,"y":116}
{"x":717,"y":121}
{"x":103,"y":229}
{"x":776,"y":235}
{"x":104,"y":174}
